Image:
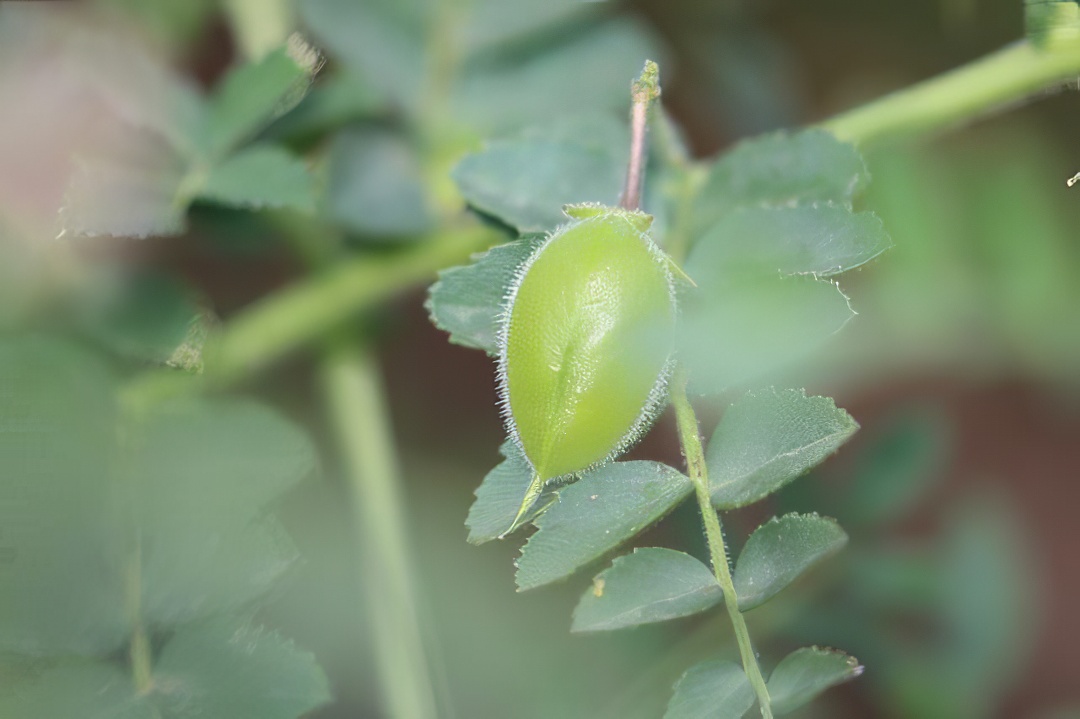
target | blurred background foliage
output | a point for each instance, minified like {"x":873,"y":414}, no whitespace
{"x":956,"y":590}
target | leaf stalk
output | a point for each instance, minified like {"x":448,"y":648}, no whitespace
{"x":690,"y":440}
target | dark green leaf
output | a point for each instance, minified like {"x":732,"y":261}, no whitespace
{"x":538,"y":84}
{"x":258,"y":177}
{"x":61,"y":554}
{"x":768,"y":438}
{"x":467,"y":300}
{"x":76,"y":690}
{"x":206,"y":472}
{"x":820,"y":240}
{"x":781,"y":169}
{"x":498,"y":498}
{"x":650,"y":585}
{"x":375,"y":184}
{"x":594,"y":515}
{"x":525,"y":181}
{"x":715,"y":689}
{"x":253,"y":95}
{"x":147,"y":317}
{"x":779,"y":551}
{"x":374,"y":39}
{"x":227,"y":669}
{"x":805,"y":673}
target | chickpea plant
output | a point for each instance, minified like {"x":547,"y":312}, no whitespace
{"x":613,"y":314}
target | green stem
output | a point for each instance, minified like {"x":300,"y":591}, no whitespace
{"x":991,"y":83}
{"x":714,"y":534}
{"x":306,"y":312}
{"x":352,"y":391}
{"x":139,"y":650}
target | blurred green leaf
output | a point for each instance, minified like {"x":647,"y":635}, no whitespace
{"x":753,"y":327}
{"x":259,"y":177}
{"x":781,"y":169}
{"x":61,"y":555}
{"x":126,"y":188}
{"x":76,"y":690}
{"x":780,"y":551}
{"x":768,"y":438}
{"x":467,"y":300}
{"x":525,"y":181}
{"x":805,"y":673}
{"x":539,"y":83}
{"x":254,"y":94}
{"x":597,"y":513}
{"x":144,"y":317}
{"x":334,"y":101}
{"x":715,"y":689}
{"x":375,"y":40}
{"x":498,"y":498}
{"x":376,"y":185}
{"x":206,"y":472}
{"x":896,"y":468}
{"x":495,"y":23}
{"x":224,"y":668}
{"x":821,"y":240}
{"x":650,"y":585}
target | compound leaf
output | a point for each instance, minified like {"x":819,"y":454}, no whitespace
{"x":205,"y":472}
{"x":253,"y":95}
{"x":821,"y":240}
{"x":650,"y":585}
{"x":526,"y":180}
{"x":498,"y":498}
{"x":467,"y":300}
{"x":779,"y":551}
{"x":714,"y":689}
{"x":594,"y":515}
{"x":258,"y":177}
{"x":781,"y":169}
{"x":61,"y":556}
{"x":76,"y":690}
{"x":805,"y":673}
{"x":375,"y":184}
{"x":225,"y":668}
{"x":768,"y":438}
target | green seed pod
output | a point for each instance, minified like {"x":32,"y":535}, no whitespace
{"x":577,"y":383}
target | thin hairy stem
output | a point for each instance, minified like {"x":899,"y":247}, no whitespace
{"x":644,"y":91}
{"x":695,"y":463}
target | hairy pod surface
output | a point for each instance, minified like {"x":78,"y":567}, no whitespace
{"x":578,"y":380}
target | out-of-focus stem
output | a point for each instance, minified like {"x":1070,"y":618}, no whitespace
{"x":352,"y":391}
{"x":992,"y":83}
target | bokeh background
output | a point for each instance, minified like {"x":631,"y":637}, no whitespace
{"x":958,"y":588}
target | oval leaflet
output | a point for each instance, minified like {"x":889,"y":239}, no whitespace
{"x":585,"y":343}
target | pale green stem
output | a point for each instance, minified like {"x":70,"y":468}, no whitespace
{"x":352,"y":391}
{"x":305,"y":312}
{"x":695,"y":463}
{"x":991,"y":83}
{"x":139,"y":650}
